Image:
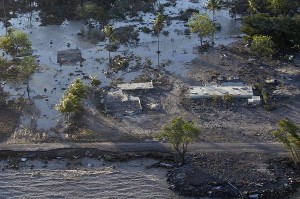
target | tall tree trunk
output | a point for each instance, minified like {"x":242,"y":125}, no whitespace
{"x":31,"y":13}
{"x":158,"y":50}
{"x":109,"y":59}
{"x":27,"y":86}
{"x":5,"y":17}
{"x":182,"y":158}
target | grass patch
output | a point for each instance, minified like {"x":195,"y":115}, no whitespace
{"x":85,"y":135}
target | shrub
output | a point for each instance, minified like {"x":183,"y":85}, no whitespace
{"x":15,"y":43}
{"x":262,"y":46}
{"x":145,"y":29}
{"x":288,"y":134}
{"x":215,"y":99}
{"x":227,"y":98}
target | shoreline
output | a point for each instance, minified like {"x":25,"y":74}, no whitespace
{"x":255,"y":174}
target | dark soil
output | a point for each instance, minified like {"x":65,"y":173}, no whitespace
{"x":9,"y":116}
{"x":81,"y":153}
{"x":227,"y":175}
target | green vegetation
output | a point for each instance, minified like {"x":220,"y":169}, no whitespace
{"x":94,"y":81}
{"x":227,"y":98}
{"x":263,"y":91}
{"x":201,"y":24}
{"x":72,"y":99}
{"x":18,"y":69}
{"x":112,"y":45}
{"x":215,"y":100}
{"x":158,"y":25}
{"x":281,"y":6}
{"x":145,"y":29}
{"x":277,"y":19}
{"x":26,"y":67}
{"x":83,"y":135}
{"x":90,"y":10}
{"x":4,"y":64}
{"x":180,"y":134}
{"x":213,"y":5}
{"x":252,"y":7}
{"x":15,"y":43}
{"x":288,"y":134}
{"x":262,"y":46}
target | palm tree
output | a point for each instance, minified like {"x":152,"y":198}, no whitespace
{"x":109,"y":33}
{"x":213,"y":5}
{"x":252,"y":9}
{"x":5,"y":17}
{"x":158,"y":26}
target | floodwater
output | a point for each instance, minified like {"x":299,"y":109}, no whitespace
{"x":49,"y":82}
{"x":112,"y":180}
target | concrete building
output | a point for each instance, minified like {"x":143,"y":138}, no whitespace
{"x":255,"y":100}
{"x":136,"y":86}
{"x":200,"y":92}
{"x":119,"y":103}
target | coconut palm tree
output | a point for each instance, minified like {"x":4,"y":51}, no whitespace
{"x":158,"y":25}
{"x":252,"y":7}
{"x":4,"y":17}
{"x":109,"y":33}
{"x":213,"y":5}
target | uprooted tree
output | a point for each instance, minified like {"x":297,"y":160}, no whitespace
{"x":288,"y":133}
{"x":179,"y":133}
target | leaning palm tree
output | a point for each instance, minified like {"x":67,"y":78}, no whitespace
{"x":213,"y":5}
{"x":158,"y":26}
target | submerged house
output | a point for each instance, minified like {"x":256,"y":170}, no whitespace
{"x":69,"y":56}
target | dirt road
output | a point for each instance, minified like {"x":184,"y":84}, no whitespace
{"x":152,"y":146}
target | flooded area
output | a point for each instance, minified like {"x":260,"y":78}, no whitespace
{"x":48,"y":84}
{"x":86,"y":178}
{"x":28,"y":107}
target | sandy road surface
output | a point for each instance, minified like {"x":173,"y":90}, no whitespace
{"x":153,"y":146}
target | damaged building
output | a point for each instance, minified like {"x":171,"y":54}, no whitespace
{"x":209,"y":91}
{"x":118,"y":103}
